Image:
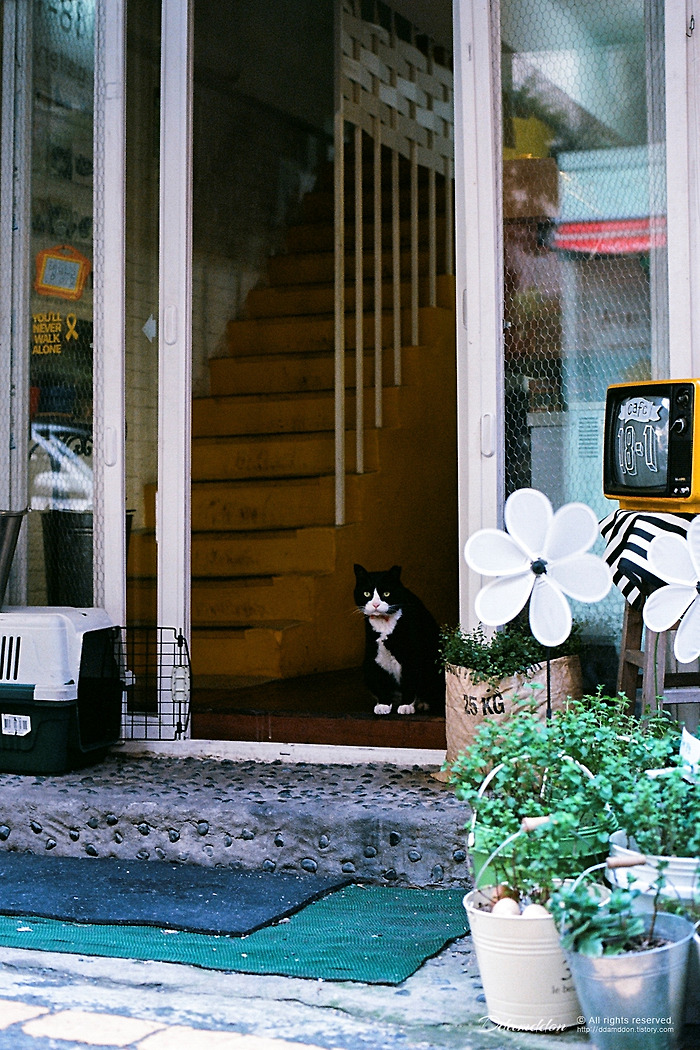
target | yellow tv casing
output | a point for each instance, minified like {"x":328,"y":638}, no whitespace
{"x":682,"y":494}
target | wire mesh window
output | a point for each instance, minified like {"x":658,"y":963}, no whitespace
{"x":584,"y":235}
{"x":60,"y":372}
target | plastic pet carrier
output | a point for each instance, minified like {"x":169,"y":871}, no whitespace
{"x":60,"y":688}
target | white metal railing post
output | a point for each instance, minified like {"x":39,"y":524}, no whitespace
{"x":339,"y":276}
{"x":396,"y":262}
{"x":359,"y":308}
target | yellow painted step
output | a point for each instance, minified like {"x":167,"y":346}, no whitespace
{"x":259,"y":651}
{"x":288,"y":372}
{"x":317,"y":267}
{"x":319,"y":205}
{"x":280,"y":413}
{"x":277,"y":335}
{"x":320,"y":236}
{"x":273,"y":456}
{"x":245,"y":505}
{"x":304,"y":299}
{"x":217,"y":554}
{"x":245,"y":602}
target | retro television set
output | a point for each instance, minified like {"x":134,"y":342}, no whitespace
{"x":651,"y":448}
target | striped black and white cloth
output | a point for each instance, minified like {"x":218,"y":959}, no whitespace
{"x":627,"y":535}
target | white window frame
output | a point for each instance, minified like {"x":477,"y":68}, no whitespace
{"x":173,"y":500}
{"x":478,"y":218}
{"x":478,"y":222}
{"x":109,"y":491}
{"x":683,"y":186}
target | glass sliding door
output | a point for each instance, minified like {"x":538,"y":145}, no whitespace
{"x":47,"y":209}
{"x":584,"y":233}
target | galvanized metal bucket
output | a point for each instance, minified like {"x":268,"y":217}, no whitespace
{"x":636,"y":1001}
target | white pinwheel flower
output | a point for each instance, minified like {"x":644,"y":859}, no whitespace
{"x":677,"y":561}
{"x":542,"y":556}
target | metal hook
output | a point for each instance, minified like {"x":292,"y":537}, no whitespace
{"x":691,"y":26}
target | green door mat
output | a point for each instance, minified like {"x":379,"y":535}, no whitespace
{"x":373,"y":934}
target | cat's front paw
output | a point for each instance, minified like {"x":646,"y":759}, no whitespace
{"x":382,"y":709}
{"x":406,"y":709}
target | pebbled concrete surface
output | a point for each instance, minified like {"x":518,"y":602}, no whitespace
{"x":371,"y":821}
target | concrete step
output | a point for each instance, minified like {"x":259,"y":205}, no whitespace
{"x":280,"y":413}
{"x":273,"y":456}
{"x":393,"y":825}
{"x":220,"y":554}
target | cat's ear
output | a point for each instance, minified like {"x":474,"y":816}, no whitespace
{"x":359,"y":571}
{"x":395,"y":572}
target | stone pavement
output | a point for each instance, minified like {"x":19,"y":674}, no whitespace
{"x":370,"y":819}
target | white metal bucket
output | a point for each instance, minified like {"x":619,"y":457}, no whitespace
{"x":682,"y":874}
{"x":526,"y":978}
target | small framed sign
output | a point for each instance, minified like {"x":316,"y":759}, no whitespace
{"x":61,"y":272}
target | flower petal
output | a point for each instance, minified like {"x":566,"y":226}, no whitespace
{"x":550,"y":615}
{"x":574,"y":529}
{"x":694,"y":545}
{"x":585,"y":578}
{"x":527,"y":517}
{"x":665,"y":607}
{"x":687,"y":643}
{"x":669,"y":559}
{"x":492,"y":552}
{"x":502,"y":599}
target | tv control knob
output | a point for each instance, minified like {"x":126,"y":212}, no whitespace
{"x":678,"y":426}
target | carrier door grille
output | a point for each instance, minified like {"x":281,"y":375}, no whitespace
{"x":9,"y":657}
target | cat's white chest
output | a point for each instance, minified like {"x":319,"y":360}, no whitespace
{"x":383,"y":626}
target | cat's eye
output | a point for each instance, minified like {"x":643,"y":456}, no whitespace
{"x":387,"y":593}
{"x":367,"y":594}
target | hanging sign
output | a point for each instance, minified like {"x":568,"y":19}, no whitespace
{"x":61,"y":272}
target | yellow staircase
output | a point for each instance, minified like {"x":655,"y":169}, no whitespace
{"x":272,"y":575}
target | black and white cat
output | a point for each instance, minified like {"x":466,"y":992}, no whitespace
{"x":401,"y":665}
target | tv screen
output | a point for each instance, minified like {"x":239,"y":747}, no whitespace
{"x":639,"y":446}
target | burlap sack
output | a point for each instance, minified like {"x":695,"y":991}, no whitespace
{"x":468,"y":703}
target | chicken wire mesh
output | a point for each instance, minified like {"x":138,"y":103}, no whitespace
{"x":584,"y":237}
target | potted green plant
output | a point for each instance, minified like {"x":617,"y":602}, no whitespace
{"x":660,"y":819}
{"x":526,"y":980}
{"x":629,"y":968}
{"x":487,"y":677}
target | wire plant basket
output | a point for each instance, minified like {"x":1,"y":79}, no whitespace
{"x":157,"y":675}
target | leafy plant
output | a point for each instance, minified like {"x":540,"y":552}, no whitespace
{"x":662,"y":813}
{"x":535,"y":770}
{"x":508,"y":652}
{"x":587,"y":927}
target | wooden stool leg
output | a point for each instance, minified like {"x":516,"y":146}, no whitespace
{"x":653,"y":671}
{"x":631,"y":645}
